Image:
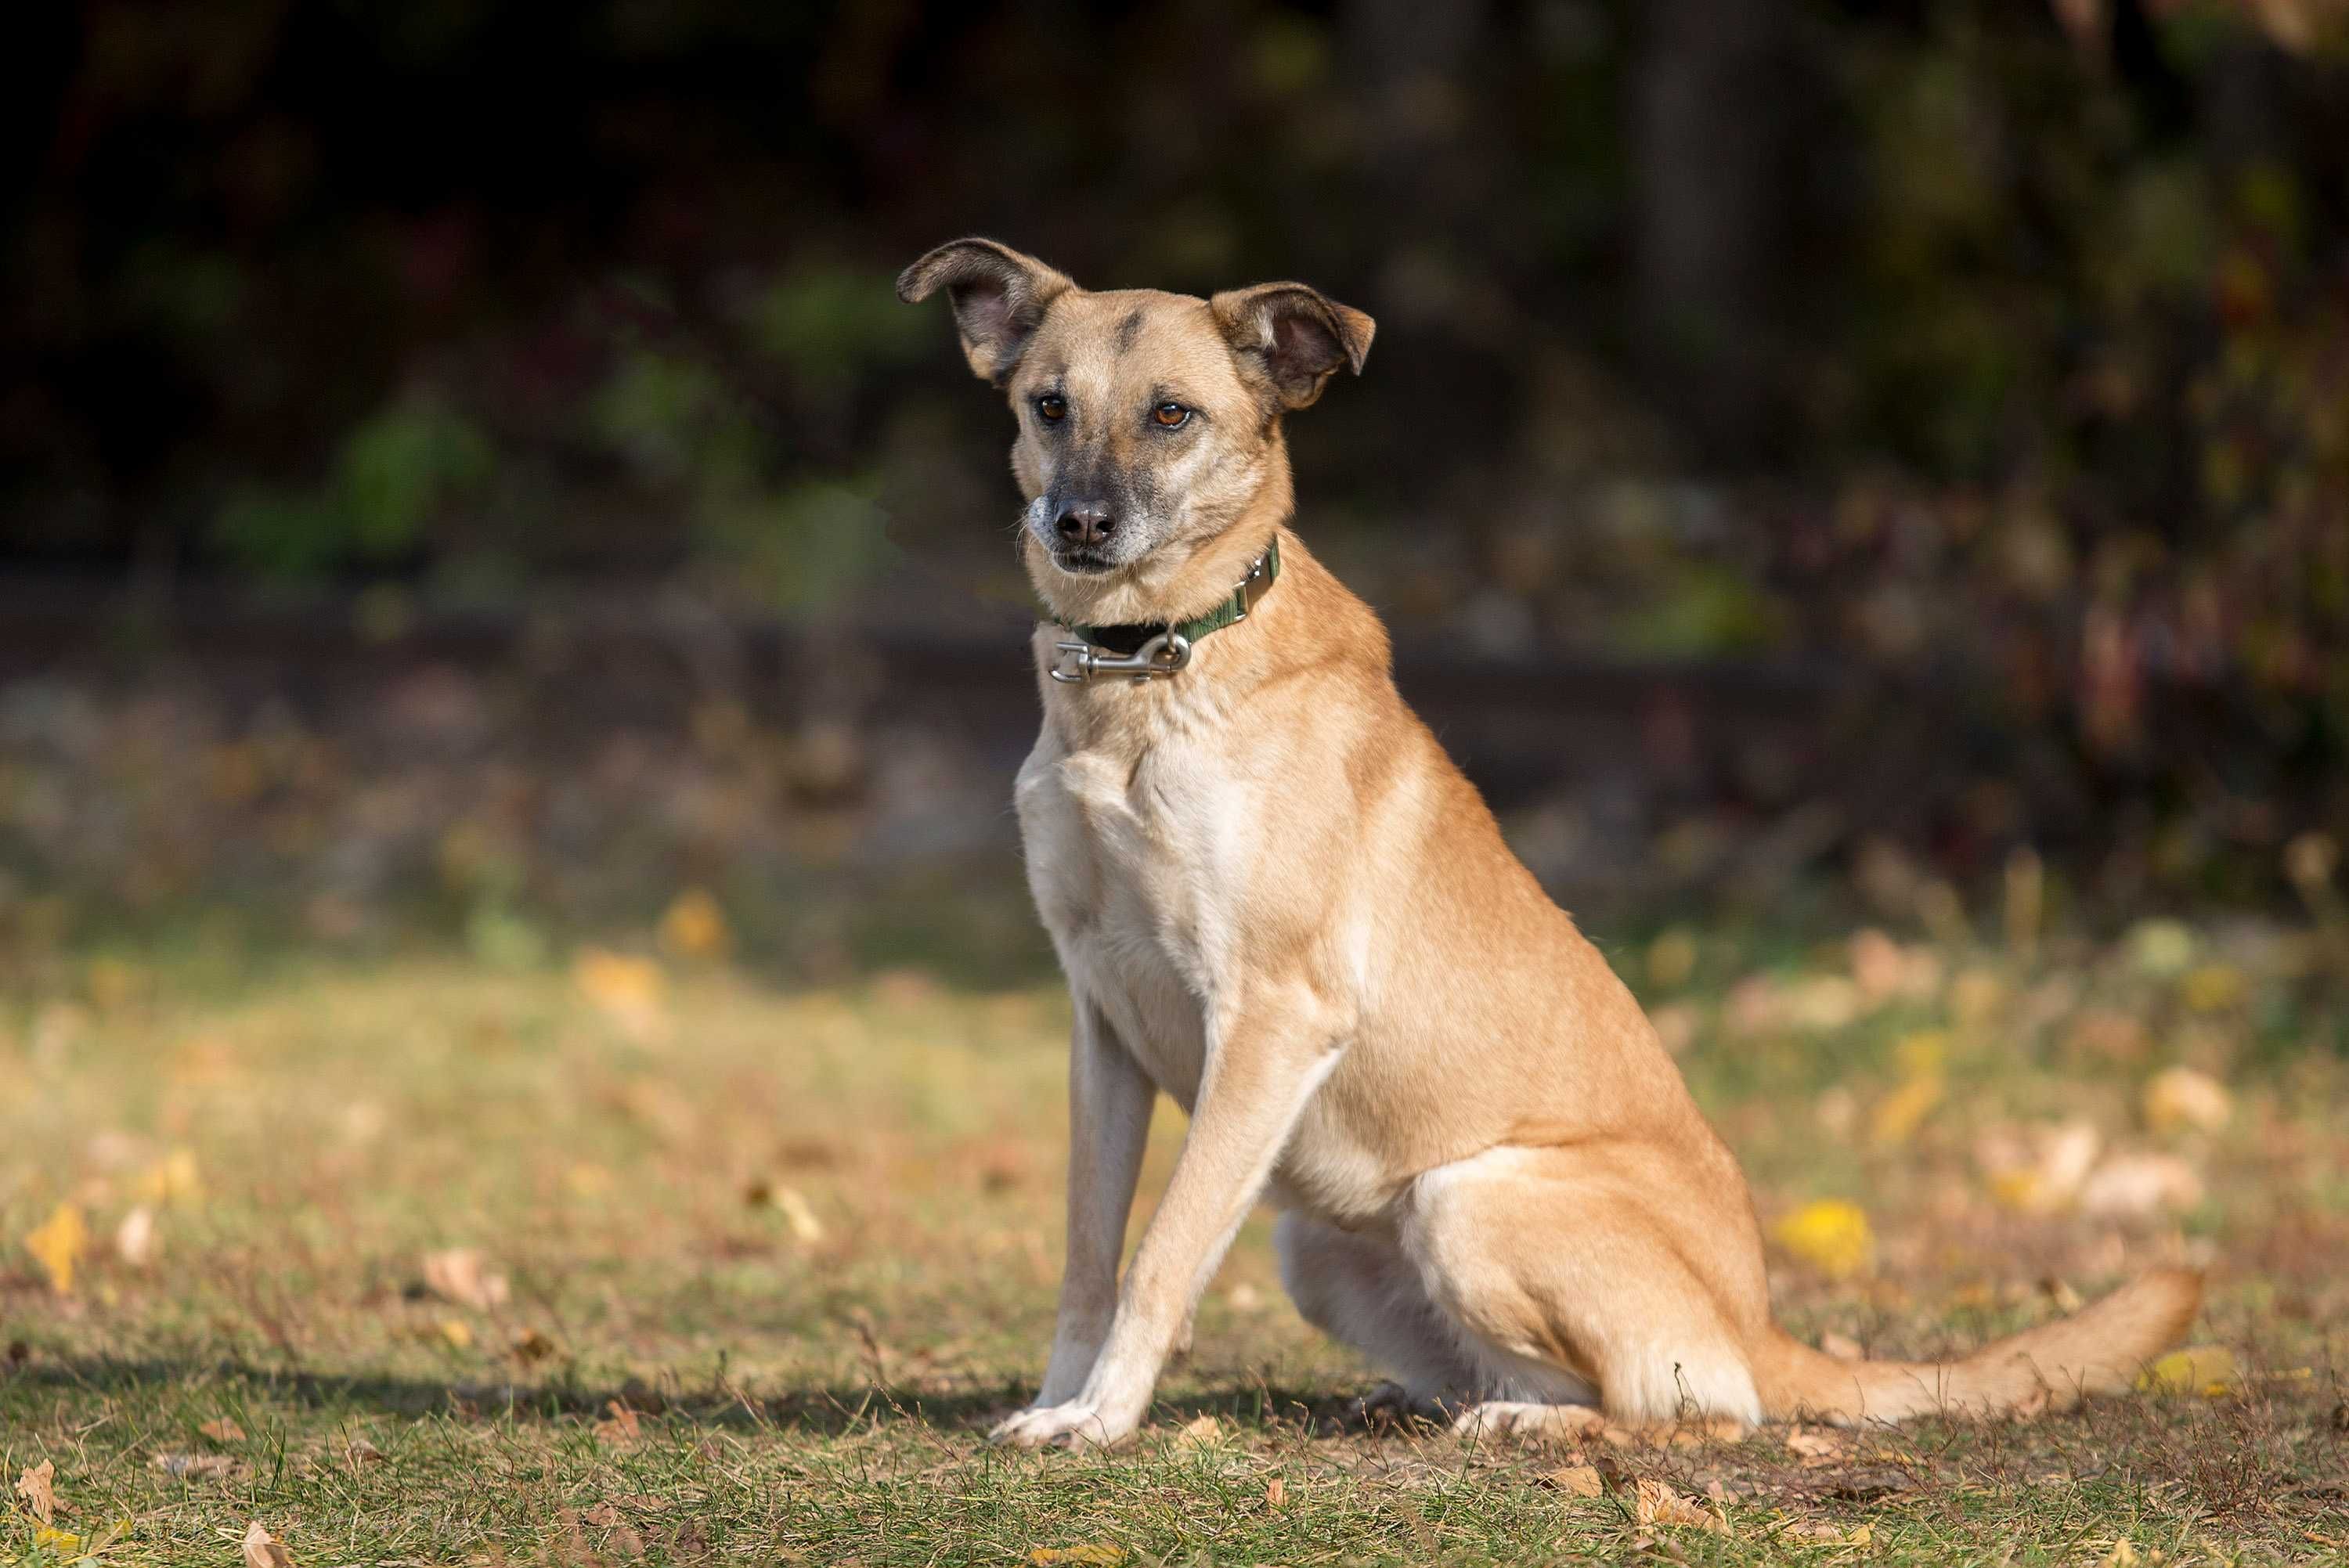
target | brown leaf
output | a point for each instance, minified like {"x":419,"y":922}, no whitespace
{"x":1814,"y":1446}
{"x":531,"y":1346}
{"x":221,"y":1430}
{"x":37,"y":1487}
{"x":603,"y":1516}
{"x":463,"y":1276}
{"x":263,"y":1550}
{"x":622,"y":1428}
{"x":1276,"y":1491}
{"x":1577,"y":1481}
{"x":359,"y":1453}
{"x":1653,"y":1502}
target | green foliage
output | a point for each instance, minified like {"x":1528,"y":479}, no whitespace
{"x":393,"y":477}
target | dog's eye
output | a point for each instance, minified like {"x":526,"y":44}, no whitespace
{"x":1170,"y":415}
{"x":1053,"y":407}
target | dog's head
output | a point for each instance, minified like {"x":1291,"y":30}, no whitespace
{"x":1146,"y":420}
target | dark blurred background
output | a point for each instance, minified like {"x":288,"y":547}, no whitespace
{"x":466,"y":474}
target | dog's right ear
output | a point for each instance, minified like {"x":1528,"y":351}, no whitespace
{"x":999,"y":297}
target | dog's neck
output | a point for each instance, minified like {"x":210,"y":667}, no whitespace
{"x":1175,"y":583}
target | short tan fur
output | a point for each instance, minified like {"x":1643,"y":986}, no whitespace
{"x":1280,"y":903}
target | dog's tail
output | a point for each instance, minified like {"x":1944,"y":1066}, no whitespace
{"x":2100,"y":1349}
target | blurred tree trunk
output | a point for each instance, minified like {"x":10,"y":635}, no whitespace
{"x":1713,"y":106}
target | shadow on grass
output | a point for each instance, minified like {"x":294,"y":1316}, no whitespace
{"x":818,"y":1411}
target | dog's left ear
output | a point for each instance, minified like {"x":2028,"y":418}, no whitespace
{"x":998,"y":296}
{"x":1292,"y":337}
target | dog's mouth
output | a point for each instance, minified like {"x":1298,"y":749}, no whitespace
{"x":1085,"y":562}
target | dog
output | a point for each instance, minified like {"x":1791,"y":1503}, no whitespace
{"x":1277,"y":901}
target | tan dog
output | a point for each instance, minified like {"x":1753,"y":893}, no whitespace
{"x":1277,"y":901}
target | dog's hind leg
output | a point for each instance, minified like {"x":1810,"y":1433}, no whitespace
{"x":1359,"y":1289}
{"x":1556,"y":1267}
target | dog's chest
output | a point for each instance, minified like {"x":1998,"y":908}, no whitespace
{"x":1134,"y":856}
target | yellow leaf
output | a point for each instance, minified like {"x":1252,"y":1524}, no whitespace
{"x":1199,"y":1433}
{"x":174,"y":1178}
{"x":694,"y":927}
{"x":1831,"y":1235}
{"x":1898,"y":1114}
{"x":222,"y":1430}
{"x":2206,"y":1369}
{"x":63,"y":1542}
{"x":2213,"y":988}
{"x":37,"y":1487}
{"x":58,"y":1244}
{"x":457,"y":1332}
{"x":625,"y":989}
{"x":2182,"y":1097}
{"x":1098,"y":1552}
{"x":2122,"y":1555}
{"x":263,"y":1550}
{"x":1922,"y":1054}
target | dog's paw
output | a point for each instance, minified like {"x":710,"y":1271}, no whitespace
{"x":1495,"y":1418}
{"x":1075,"y":1425}
{"x":1390,"y":1405}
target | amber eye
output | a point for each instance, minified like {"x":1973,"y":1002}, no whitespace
{"x":1053,"y":407}
{"x":1170,"y":414}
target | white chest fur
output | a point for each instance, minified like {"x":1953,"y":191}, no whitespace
{"x":1134,"y":857}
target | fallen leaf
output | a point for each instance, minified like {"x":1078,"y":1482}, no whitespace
{"x":1653,"y":1502}
{"x":2213,"y":988}
{"x":1199,"y":1433}
{"x":1818,"y":1446}
{"x":1577,"y":1481}
{"x":1831,"y":1235}
{"x":627,"y":990}
{"x":1276,"y":1491}
{"x":63,"y":1543}
{"x":1820,"y":1533}
{"x":37,"y":1487}
{"x":263,"y":1550}
{"x":222,"y":1430}
{"x":2181,"y":1098}
{"x":1099,"y":1552}
{"x":455,"y":1331}
{"x":2129,"y":1184}
{"x":531,"y":1346}
{"x":2122,"y":1555}
{"x":1898,"y":1114}
{"x":694,"y":927}
{"x":603,"y":1516}
{"x":2207,"y":1369}
{"x":621,"y":1428}
{"x":174,"y":1178}
{"x":359,"y":1453}
{"x":463,"y":1276}
{"x":134,"y":1238}
{"x":58,"y":1244}
{"x":2039,"y":1170}
{"x":799,"y":1214}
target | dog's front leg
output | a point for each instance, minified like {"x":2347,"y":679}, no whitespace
{"x":1110,"y":1103}
{"x":1259,"y":1078}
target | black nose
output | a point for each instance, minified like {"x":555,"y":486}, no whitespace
{"x":1089,"y":524}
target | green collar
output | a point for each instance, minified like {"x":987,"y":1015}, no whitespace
{"x":1158,"y":649}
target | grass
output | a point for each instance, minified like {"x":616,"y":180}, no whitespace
{"x":752,"y":1270}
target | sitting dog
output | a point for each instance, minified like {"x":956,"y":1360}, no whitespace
{"x":1277,"y":901}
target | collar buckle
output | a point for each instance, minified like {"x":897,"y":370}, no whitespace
{"x":1074,"y":664}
